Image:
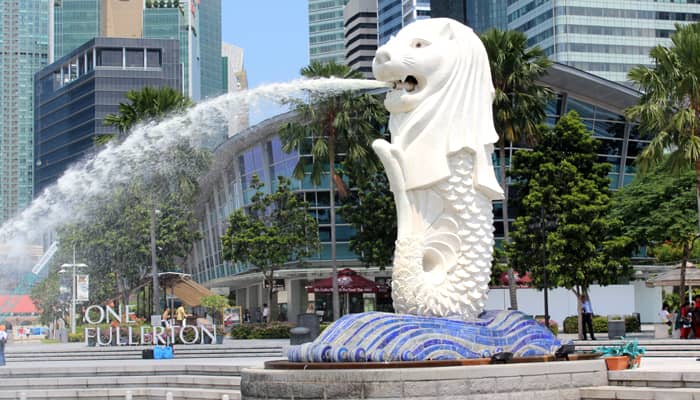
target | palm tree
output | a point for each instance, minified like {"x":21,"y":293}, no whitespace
{"x":146,"y":104}
{"x":669,"y":109}
{"x":519,"y":105}
{"x":342,"y":124}
{"x":149,"y":103}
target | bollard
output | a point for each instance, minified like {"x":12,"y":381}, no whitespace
{"x":169,"y":396}
{"x":22,"y":396}
{"x":224,"y":397}
{"x":129,"y":395}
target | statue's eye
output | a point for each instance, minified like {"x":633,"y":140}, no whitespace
{"x":418,"y":43}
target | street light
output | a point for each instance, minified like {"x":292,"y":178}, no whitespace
{"x":73,"y":290}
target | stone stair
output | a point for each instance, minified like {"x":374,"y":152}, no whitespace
{"x":145,"y":379}
{"x":646,"y":385}
{"x":653,"y":347}
{"x":17,"y":353}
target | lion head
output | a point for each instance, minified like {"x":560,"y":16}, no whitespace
{"x":442,"y":102}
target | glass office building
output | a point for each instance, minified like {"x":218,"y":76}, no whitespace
{"x":484,"y":15}
{"x":258,"y":151}
{"x":326,"y":32}
{"x":23,"y":51}
{"x":210,"y":48}
{"x":73,"y":95}
{"x":74,"y":23}
{"x":606,"y":38}
{"x":392,"y":15}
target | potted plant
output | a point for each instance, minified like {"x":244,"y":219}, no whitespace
{"x":626,"y":355}
{"x":215,"y":305}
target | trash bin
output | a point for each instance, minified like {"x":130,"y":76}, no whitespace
{"x":299,"y":335}
{"x":616,"y":327}
{"x":311,"y":322}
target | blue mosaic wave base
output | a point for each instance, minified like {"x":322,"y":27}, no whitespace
{"x":375,"y":336}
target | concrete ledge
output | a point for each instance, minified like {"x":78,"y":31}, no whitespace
{"x":138,"y":393}
{"x":639,"y":393}
{"x":555,"y":380}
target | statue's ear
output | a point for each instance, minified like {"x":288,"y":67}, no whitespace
{"x":446,"y":31}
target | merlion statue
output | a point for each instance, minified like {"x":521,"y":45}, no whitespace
{"x":440,"y":170}
{"x":439,"y":167}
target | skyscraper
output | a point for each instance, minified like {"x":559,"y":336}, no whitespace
{"x":195,"y":23}
{"x":210,"y":47}
{"x":392,"y":15}
{"x":326,"y":34}
{"x":606,"y":38}
{"x":361,"y":35}
{"x":23,"y":51}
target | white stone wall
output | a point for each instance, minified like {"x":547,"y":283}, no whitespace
{"x":606,"y":300}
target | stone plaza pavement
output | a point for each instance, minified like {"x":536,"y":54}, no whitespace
{"x":219,"y":377}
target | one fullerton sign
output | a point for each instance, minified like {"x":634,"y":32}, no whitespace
{"x":95,"y":315}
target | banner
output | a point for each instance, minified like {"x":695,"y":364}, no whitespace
{"x":64,"y":289}
{"x":82,"y":288}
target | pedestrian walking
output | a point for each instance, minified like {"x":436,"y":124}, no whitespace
{"x":3,"y":341}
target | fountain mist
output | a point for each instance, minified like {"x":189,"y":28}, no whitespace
{"x":140,"y":152}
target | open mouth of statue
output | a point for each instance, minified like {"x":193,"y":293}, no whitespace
{"x":409,"y":84}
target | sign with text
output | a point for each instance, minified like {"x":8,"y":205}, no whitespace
{"x":123,"y":332}
{"x":82,"y":288}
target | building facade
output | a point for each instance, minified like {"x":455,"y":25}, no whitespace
{"x":73,"y":95}
{"x":392,"y":15}
{"x":360,"y":35}
{"x":326,"y":34}
{"x":484,"y":15}
{"x":599,"y":102}
{"x":23,"y":51}
{"x":606,"y":38}
{"x":195,"y":23}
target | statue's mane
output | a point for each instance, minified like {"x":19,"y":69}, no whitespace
{"x":457,"y":116}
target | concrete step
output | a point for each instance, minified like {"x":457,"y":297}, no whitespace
{"x":136,"y":393}
{"x":654,"y":378}
{"x":225,"y":383}
{"x":638,"y":393}
{"x":653,"y":348}
{"x":142,"y":368}
{"x":131,"y":356}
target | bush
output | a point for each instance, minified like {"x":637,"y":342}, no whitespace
{"x":78,"y":337}
{"x":261,"y":331}
{"x":600,"y":324}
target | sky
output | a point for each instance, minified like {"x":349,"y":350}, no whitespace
{"x":273,"y":34}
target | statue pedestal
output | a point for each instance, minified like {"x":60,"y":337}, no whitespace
{"x":376,"y":336}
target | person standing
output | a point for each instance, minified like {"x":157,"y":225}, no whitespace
{"x":180,"y":315}
{"x":266,"y":313}
{"x":587,"y":314}
{"x":3,"y":340}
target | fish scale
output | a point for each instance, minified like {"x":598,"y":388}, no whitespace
{"x":463,"y":291}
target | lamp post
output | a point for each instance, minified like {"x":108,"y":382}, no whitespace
{"x":73,"y":290}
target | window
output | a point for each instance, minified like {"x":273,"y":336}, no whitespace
{"x":134,"y":58}
{"x":109,"y":57}
{"x":153,"y":58}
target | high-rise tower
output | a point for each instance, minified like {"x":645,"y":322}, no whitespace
{"x":23,"y":51}
{"x":606,"y":38}
{"x":326,"y":34}
{"x":361,"y":35}
{"x":392,"y":15}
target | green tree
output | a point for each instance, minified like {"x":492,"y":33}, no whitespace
{"x":519,"y":104}
{"x":329,"y":127}
{"x":275,"y":229}
{"x":146,"y":104}
{"x":372,"y":212}
{"x":669,"y":108}
{"x":564,"y":196}
{"x":162,"y":190}
{"x":659,"y":209}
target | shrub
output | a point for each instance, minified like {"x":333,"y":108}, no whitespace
{"x":76,"y":337}
{"x":600,"y":324}
{"x":274,"y":330}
